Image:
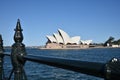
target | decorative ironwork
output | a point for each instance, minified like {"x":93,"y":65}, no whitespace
{"x":18,"y":49}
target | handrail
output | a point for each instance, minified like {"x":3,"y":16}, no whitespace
{"x":69,"y":64}
{"x":91,"y":68}
{"x":108,"y":71}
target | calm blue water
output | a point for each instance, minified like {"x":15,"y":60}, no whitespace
{"x":37,"y":71}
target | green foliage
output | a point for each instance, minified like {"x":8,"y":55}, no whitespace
{"x":109,"y":41}
{"x":112,"y":41}
{"x":117,"y":42}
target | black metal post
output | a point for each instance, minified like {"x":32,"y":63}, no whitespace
{"x":1,"y":58}
{"x":112,"y":71}
{"x":18,"y":48}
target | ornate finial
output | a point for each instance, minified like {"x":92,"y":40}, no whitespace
{"x":0,"y":37}
{"x":18,"y":50}
{"x":18,"y":36}
{"x":1,"y":41}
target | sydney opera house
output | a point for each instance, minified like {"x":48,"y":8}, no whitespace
{"x":62,"y":40}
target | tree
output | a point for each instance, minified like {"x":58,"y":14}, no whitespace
{"x":109,"y":41}
{"x":118,"y":41}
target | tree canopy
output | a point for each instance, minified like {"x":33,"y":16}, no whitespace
{"x":111,"y":40}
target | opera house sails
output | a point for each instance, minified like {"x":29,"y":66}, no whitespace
{"x":62,"y":40}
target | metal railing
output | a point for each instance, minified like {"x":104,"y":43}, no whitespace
{"x":108,"y":71}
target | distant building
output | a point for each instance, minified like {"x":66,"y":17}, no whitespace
{"x":63,"y":40}
{"x":87,"y":42}
{"x":114,"y":45}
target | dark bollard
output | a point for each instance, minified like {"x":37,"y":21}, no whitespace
{"x":1,"y":58}
{"x":18,"y":49}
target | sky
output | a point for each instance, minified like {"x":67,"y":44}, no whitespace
{"x":89,"y":19}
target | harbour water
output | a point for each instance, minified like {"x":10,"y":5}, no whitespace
{"x":35,"y":71}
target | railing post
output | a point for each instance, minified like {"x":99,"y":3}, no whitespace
{"x":1,"y":58}
{"x":112,"y":70}
{"x":18,"y":49}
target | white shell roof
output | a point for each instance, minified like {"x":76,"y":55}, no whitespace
{"x":51,"y":38}
{"x":58,"y":38}
{"x":64,"y":35}
{"x":86,"y":42}
{"x":75,"y":39}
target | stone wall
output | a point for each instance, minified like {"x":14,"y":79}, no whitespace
{"x":62,"y":46}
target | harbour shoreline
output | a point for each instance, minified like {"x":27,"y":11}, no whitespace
{"x":76,"y":48}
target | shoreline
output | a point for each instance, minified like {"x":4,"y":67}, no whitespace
{"x":43,"y":48}
{"x":75,"y":48}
